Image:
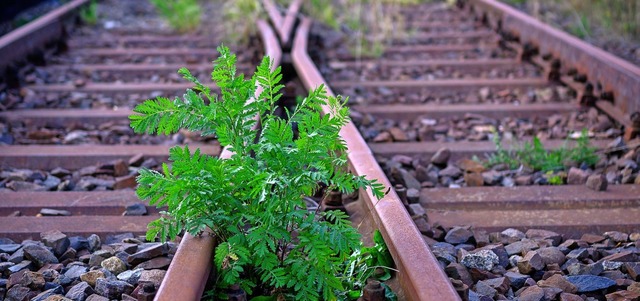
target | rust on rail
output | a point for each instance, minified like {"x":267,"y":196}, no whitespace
{"x":601,"y":68}
{"x":419,"y":273}
{"x":17,"y":44}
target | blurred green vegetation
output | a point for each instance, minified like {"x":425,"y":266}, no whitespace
{"x":618,"y":17}
{"x":182,"y":15}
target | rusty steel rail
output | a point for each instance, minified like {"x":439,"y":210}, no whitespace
{"x":19,"y":43}
{"x":419,"y":273}
{"x":283,"y":25}
{"x":188,"y":273}
{"x":616,"y":76}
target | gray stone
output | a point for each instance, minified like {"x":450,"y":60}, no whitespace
{"x":416,"y":210}
{"x":130,"y":276}
{"x":512,"y":235}
{"x":590,"y":283}
{"x":579,"y":254}
{"x":155,"y":263}
{"x":483,"y":260}
{"x":51,"y":182}
{"x":97,"y":257}
{"x":112,"y":239}
{"x":560,"y":282}
{"x":113,"y":289}
{"x":32,"y":280}
{"x":491,"y":177}
{"x":47,"y":295}
{"x":611,"y":265}
{"x":9,"y":248}
{"x":521,"y":247}
{"x":577,"y":176}
{"x":56,"y":240}
{"x":544,"y":234}
{"x":459,"y":272}
{"x":136,"y":209}
{"x":532,"y":293}
{"x":499,"y":250}
{"x":413,"y":196}
{"x":451,"y":171}
{"x":624,"y":256}
{"x":25,"y":186}
{"x":92,"y":277}
{"x":500,"y":284}
{"x":4,"y":266}
{"x":517,"y":280}
{"x":95,"y":297}
{"x":551,"y":255}
{"x":458,"y":235}
{"x":75,"y":271}
{"x":508,"y":182}
{"x":148,"y":253}
{"x":444,"y":257}
{"x":597,"y":182}
{"x":409,"y":180}
{"x":530,"y":263}
{"x":114,"y":265}
{"x":79,"y":292}
{"x":25,"y":264}
{"x":485,"y":290}
{"x":153,"y":276}
{"x":441,"y":157}
{"x":617,"y":236}
{"x":18,"y":293}
{"x":94,"y":242}
{"x":39,"y":255}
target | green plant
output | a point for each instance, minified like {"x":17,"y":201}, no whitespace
{"x":252,"y":202}
{"x":361,"y":266}
{"x":236,"y":14}
{"x":89,"y":13}
{"x":501,"y":155}
{"x":182,"y":15}
{"x":554,"y":179}
{"x":535,"y":156}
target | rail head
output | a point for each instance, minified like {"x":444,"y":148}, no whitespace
{"x":419,"y":272}
{"x":189,"y":270}
{"x":602,"y":68}
{"x":17,"y":44}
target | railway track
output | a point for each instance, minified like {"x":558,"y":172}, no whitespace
{"x":474,"y":71}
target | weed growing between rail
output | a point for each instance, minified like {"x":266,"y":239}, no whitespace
{"x":89,"y":13}
{"x":536,"y":157}
{"x":182,"y":15}
{"x":269,"y":244}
